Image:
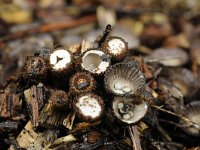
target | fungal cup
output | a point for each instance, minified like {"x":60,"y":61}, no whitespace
{"x":129,"y":110}
{"x":123,"y":79}
{"x":95,"y":61}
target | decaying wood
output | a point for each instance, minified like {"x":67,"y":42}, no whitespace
{"x":29,"y":139}
{"x":9,"y":105}
{"x":50,"y":117}
{"x":44,"y":140}
{"x":134,"y":134}
{"x":27,"y":136}
{"x":35,"y":98}
{"x":9,"y":126}
{"x":68,"y":122}
{"x":82,"y":126}
{"x":65,"y":139}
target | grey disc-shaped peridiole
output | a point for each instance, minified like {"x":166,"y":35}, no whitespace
{"x":129,"y":110}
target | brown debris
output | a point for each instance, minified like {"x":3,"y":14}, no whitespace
{"x":44,"y":103}
{"x":10,"y":104}
{"x":50,"y":27}
{"x":35,"y":98}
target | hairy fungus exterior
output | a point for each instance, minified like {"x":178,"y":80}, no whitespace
{"x":36,"y":67}
{"x":82,"y":82}
{"x":116,"y":47}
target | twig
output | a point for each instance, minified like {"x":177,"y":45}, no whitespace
{"x":193,"y":124}
{"x":50,"y":27}
{"x":164,"y":133}
{"x":105,"y":34}
{"x":169,"y":112}
{"x":172,"y":123}
{"x":155,"y":75}
{"x":169,"y":144}
{"x":134,"y":134}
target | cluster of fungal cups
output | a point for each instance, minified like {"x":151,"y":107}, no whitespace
{"x":81,"y":79}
